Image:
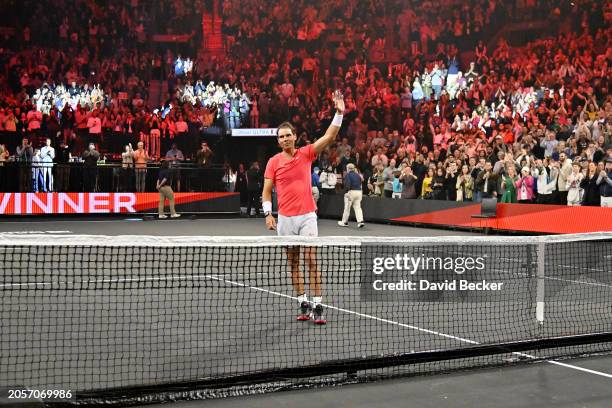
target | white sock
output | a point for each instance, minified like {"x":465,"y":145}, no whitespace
{"x":316,"y":300}
{"x":302,"y":298}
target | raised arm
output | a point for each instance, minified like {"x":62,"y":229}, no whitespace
{"x":334,"y":128}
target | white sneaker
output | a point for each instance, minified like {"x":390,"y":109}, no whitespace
{"x":360,"y":225}
{"x":162,"y":216}
{"x":175,"y":215}
{"x":342,"y":224}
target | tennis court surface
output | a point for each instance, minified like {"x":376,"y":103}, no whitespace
{"x":136,"y":318}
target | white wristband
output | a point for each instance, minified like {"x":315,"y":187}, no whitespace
{"x":267,"y":206}
{"x":337,"y":121}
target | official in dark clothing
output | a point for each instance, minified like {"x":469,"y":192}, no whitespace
{"x":254,"y":186}
{"x":352,"y":196}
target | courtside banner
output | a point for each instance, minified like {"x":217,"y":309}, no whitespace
{"x":113,"y":203}
{"x":254,"y":132}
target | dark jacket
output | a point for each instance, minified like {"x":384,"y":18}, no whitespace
{"x":254,"y":179}
{"x":491,"y":183}
{"x":90,"y":157}
{"x":591,"y":195}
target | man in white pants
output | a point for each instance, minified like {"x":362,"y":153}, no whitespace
{"x":47,"y":154}
{"x":290,"y":172}
{"x":353,"y":196}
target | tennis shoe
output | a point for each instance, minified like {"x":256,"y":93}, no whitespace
{"x":317,"y":315}
{"x":305,"y":310}
{"x":162,"y":216}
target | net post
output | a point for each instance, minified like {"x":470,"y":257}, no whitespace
{"x":540,"y":272}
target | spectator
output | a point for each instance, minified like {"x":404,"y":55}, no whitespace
{"x":328,"y":181}
{"x":408,"y":180}
{"x":465,"y":184}
{"x":397,"y":185}
{"x":38,"y":178}
{"x":592,"y":196}
{"x":90,"y":171}
{"x":486,"y":181}
{"x":508,"y":185}
{"x":524,"y":187}
{"x":388,"y":177}
{"x":574,"y":180}
{"x":254,"y":188}
{"x":439,"y":192}
{"x":23,"y":155}
{"x":565,"y":169}
{"x":175,"y":157}
{"x":315,"y":184}
{"x":141,"y":159}
{"x":546,"y":177}
{"x":47,"y":155}
{"x":604,"y":180}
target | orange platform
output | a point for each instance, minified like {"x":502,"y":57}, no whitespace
{"x":553,"y":219}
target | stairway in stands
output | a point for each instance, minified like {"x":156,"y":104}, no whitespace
{"x":157,"y":93}
{"x":211,"y":32}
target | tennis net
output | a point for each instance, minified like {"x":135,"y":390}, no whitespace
{"x":119,"y":319}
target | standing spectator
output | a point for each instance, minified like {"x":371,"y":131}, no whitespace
{"x":23,"y":155}
{"x":376,"y":182}
{"x":565,"y":169}
{"x":203,"y":160}
{"x":408,"y":180}
{"x":94,"y":124}
{"x":240,"y":183}
{"x":204,"y":155}
{"x":315,"y":183}
{"x":63,"y":158}
{"x":352,"y":196}
{"x":38,"y":179}
{"x":47,"y":155}
{"x":487,"y":181}
{"x":141,"y":158}
{"x":592,"y":196}
{"x":328,"y":180}
{"x":465,"y":184}
{"x":254,"y":187}
{"x":388,"y":176}
{"x":439,"y":181}
{"x":175,"y":156}
{"x":450,"y":181}
{"x":90,"y":171}
{"x":427,"y":186}
{"x":127,"y":168}
{"x":604,"y":180}
{"x":524,"y":187}
{"x":164,"y":186}
{"x":397,"y":185}
{"x":546,"y":181}
{"x":476,"y":169}
{"x":508,"y":185}
{"x":574,"y":191}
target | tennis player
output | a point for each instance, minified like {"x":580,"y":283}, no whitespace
{"x":290,"y":172}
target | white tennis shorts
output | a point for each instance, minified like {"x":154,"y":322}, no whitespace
{"x":304,"y":225}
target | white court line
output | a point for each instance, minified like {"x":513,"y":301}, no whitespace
{"x":461,"y":339}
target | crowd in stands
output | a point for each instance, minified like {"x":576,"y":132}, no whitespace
{"x":445,"y":101}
